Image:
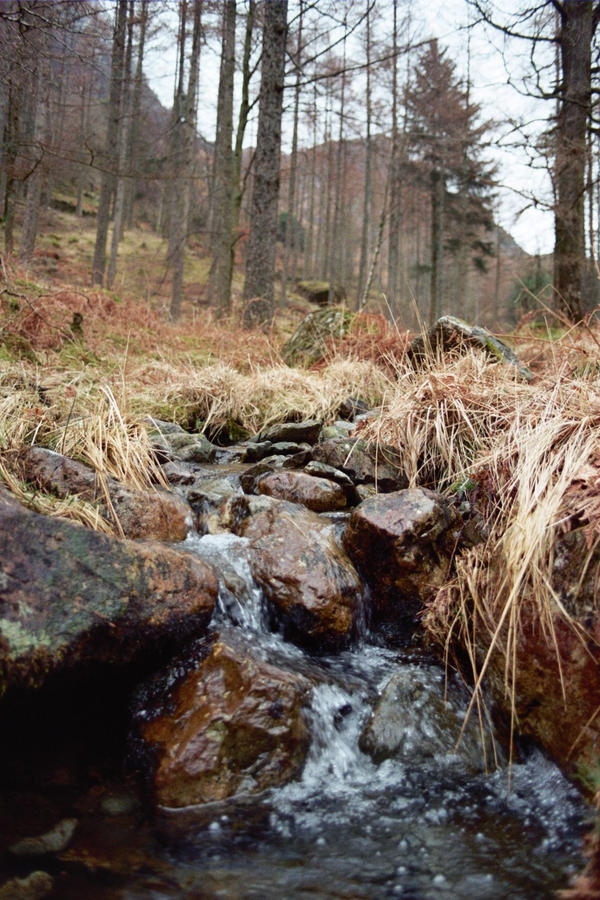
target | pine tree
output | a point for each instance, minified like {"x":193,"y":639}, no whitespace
{"x":447,"y":144}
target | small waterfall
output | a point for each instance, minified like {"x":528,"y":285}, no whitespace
{"x":240,"y":600}
{"x":419,"y":823}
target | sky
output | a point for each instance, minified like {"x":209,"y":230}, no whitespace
{"x":530,"y":226}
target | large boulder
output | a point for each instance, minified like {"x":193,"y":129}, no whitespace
{"x":308,"y":581}
{"x":233,"y":724}
{"x":71,"y":596}
{"x":318,"y":494}
{"x":421,"y":717}
{"x":311,"y":338}
{"x":402,"y":543}
{"x":451,"y":333}
{"x":151,"y":515}
{"x":364,"y":463}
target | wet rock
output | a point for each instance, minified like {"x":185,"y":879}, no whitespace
{"x":288,"y":448}
{"x":351,"y":408}
{"x":264,"y":467}
{"x":339,"y":429}
{"x":54,"y":841}
{"x":566,"y":725}
{"x":296,"y":432}
{"x":232,"y":725}
{"x":151,"y":515}
{"x":32,"y":887}
{"x":256,"y":450}
{"x":213,"y":501}
{"x":450,"y":333}
{"x":179,"y":473}
{"x":380,"y":465}
{"x":322,"y":470}
{"x":318,"y":494}
{"x":403,"y":544}
{"x":308,"y":581}
{"x":419,"y":717}
{"x":70,"y":596}
{"x":189,"y":447}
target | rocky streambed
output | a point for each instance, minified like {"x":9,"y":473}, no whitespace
{"x":234,"y":699}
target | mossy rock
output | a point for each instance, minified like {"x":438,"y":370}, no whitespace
{"x":450,"y":332}
{"x":309,"y":342}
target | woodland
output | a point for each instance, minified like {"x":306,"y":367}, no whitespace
{"x":306,"y":233}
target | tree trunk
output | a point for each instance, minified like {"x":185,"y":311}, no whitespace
{"x":179,"y":216}
{"x":576,"y":34}
{"x":366,"y":216}
{"x":260,"y":263}
{"x":124,"y":129}
{"x":223,"y":171}
{"x":291,"y":237}
{"x":437,"y":244}
{"x":112,"y":138}
{"x":136,"y":112}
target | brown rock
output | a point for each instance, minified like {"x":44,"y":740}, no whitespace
{"x":69,"y":595}
{"x":318,"y":494}
{"x":307,"y":579}
{"x":232,"y":725}
{"x":151,"y":515}
{"x":402,"y":543}
{"x":364,"y":463}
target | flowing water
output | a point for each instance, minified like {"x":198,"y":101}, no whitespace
{"x":428,"y":823}
{"x":419,"y":826}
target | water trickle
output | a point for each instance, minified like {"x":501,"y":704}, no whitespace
{"x":240,"y":600}
{"x":420,"y":821}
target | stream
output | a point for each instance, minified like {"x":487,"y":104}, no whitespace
{"x":428,"y":823}
{"x":414,"y":827}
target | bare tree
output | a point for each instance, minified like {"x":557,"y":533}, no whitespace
{"x":112,"y":141}
{"x":259,"y":289}
{"x":569,"y":26}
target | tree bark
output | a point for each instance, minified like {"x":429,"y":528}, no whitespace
{"x":576,"y":34}
{"x":259,"y":287}
{"x":187,"y":131}
{"x":437,"y":244}
{"x":223,"y":173}
{"x":112,"y":137}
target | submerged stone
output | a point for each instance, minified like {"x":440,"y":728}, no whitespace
{"x":419,"y":717}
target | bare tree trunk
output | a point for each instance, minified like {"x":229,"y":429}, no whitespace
{"x":112,"y":137}
{"x":290,"y":230}
{"x":576,"y":34}
{"x":179,"y":216}
{"x":123,"y":138}
{"x":395,"y":178}
{"x":260,"y":262}
{"x":437,"y":244}
{"x":136,"y":111}
{"x":223,"y":171}
{"x":367,"y":199}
